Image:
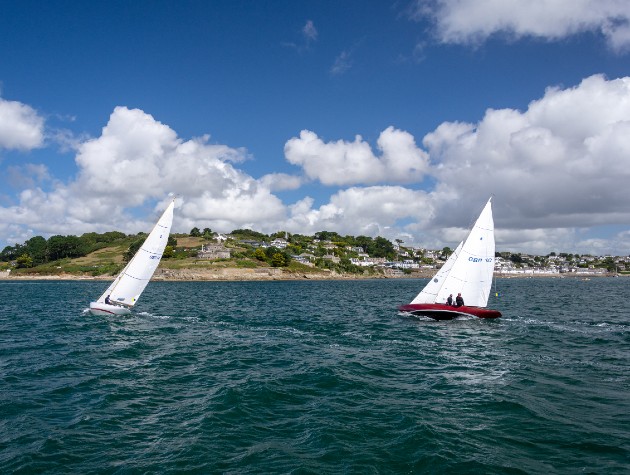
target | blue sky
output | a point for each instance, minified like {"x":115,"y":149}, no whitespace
{"x":396,"y":119}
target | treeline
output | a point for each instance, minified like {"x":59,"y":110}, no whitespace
{"x":38,"y":250}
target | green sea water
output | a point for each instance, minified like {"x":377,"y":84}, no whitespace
{"x":314,"y":377}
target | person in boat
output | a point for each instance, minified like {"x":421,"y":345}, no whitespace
{"x":107,"y":301}
{"x":449,"y":300}
{"x":459,"y":300}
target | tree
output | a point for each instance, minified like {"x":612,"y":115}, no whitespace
{"x":60,"y":247}
{"x":172,"y":241}
{"x":328,"y":236}
{"x":37,"y":248}
{"x":194,"y":232}
{"x":249,"y":234}
{"x":277,"y":260}
{"x":10,"y":253}
{"x":260,"y":254}
{"x":381,"y":247}
{"x":24,"y":261}
{"x":446,"y":251}
{"x":168,"y":252}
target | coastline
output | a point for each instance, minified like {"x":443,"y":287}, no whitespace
{"x":230,"y":274}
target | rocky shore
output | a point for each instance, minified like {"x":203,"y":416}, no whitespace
{"x":268,"y":273}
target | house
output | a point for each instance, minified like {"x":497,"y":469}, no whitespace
{"x":303,"y":259}
{"x":279,"y":243}
{"x":307,"y":256}
{"x":214,"y":251}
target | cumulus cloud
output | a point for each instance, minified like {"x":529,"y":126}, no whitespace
{"x":473,"y":21}
{"x":136,"y":160}
{"x":556,"y":169}
{"x":560,"y":164}
{"x":21,"y":127}
{"x":348,"y":163}
{"x":369,"y":210}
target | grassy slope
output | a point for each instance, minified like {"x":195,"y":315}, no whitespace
{"x":109,"y":261}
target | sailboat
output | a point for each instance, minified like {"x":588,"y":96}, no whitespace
{"x":468,"y":271}
{"x":125,"y":290}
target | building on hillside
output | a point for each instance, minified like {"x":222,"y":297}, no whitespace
{"x":279,"y":243}
{"x":303,"y":259}
{"x":214,"y":251}
{"x":254,"y":244}
{"x":357,"y":249}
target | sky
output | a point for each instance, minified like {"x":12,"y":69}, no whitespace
{"x":397,"y":119}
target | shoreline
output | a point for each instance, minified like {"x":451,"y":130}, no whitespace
{"x":277,"y":274}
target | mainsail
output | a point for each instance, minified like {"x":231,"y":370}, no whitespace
{"x":130,"y":283}
{"x":469,"y":269}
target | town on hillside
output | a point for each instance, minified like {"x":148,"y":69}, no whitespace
{"x":106,"y":253}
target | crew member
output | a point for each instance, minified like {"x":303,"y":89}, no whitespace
{"x":459,"y":300}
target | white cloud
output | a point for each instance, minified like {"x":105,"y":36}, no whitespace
{"x":309,"y":31}
{"x":556,"y":170}
{"x":21,"y":127}
{"x":309,"y":36}
{"x":342,"y":63}
{"x":473,"y":21}
{"x":369,"y":211}
{"x":280,"y":182}
{"x":136,"y":160}
{"x":560,"y":164}
{"x":348,"y":163}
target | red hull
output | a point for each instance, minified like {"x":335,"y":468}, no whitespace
{"x":440,"y":311}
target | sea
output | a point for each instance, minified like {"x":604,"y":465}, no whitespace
{"x":314,"y":377}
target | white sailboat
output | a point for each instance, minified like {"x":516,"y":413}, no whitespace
{"x":468,"y":271}
{"x":125,"y":290}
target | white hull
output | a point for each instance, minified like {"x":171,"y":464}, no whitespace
{"x":97,"y":308}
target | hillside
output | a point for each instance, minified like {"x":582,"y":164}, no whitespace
{"x":106,"y":262}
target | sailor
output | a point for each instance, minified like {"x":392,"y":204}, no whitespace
{"x":107,"y":301}
{"x":459,"y":300}
{"x":449,"y":300}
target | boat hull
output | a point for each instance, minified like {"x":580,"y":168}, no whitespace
{"x":97,"y":308}
{"x":446,"y":312}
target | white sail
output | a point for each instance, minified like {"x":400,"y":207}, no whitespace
{"x":128,"y":286}
{"x":430,"y":292}
{"x":470,"y":273}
